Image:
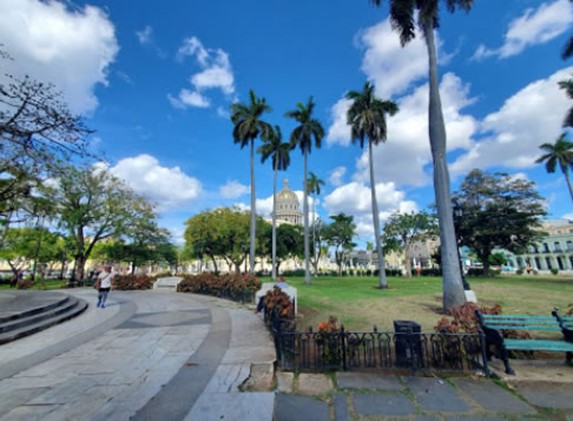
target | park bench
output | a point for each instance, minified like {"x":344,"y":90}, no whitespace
{"x":492,"y":326}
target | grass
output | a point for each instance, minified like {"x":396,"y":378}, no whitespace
{"x":359,"y":304}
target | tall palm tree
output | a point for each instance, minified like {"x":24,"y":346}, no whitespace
{"x":313,"y":187}
{"x":302,"y":136}
{"x":567,"y":85}
{"x":249,"y":126}
{"x":403,"y":18}
{"x":367,"y":119}
{"x":560,"y":152}
{"x":279,"y":152}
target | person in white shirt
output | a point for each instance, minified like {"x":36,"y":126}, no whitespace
{"x":103,"y":286}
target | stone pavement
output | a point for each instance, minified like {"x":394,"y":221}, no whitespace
{"x":154,"y":355}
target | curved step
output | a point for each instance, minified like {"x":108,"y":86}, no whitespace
{"x":49,"y":316}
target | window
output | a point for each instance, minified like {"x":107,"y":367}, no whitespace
{"x":557,"y":247}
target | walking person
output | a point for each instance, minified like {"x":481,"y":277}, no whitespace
{"x":103,"y":285}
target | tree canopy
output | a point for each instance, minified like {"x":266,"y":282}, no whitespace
{"x":499,"y":211}
{"x":339,"y":234}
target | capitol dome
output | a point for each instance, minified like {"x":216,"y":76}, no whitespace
{"x":288,"y":208}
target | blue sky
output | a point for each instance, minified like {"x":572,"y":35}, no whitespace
{"x":156,"y":80}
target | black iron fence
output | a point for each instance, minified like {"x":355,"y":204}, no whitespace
{"x":346,"y":350}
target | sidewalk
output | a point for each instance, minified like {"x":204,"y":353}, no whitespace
{"x":162,"y":355}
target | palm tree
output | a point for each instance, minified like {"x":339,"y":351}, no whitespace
{"x":367,"y":119}
{"x":560,"y":152}
{"x":567,"y":85}
{"x":313,"y":187}
{"x":302,"y":135}
{"x":249,"y":126}
{"x":403,"y":18}
{"x":274,"y":148}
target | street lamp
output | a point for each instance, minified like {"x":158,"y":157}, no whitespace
{"x":458,"y":214}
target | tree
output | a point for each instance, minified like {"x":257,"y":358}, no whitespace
{"x":313,"y":187}
{"x":302,"y":136}
{"x":403,"y":15}
{"x":36,"y":128}
{"x":560,"y":152}
{"x":92,"y":206}
{"x":568,"y":48}
{"x":402,"y":230}
{"x":249,"y":126}
{"x":339,"y":234}
{"x":279,"y":152}
{"x":567,"y":85}
{"x":367,"y":119}
{"x":499,"y":211}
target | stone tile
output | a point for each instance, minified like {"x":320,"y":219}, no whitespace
{"x":299,"y":408}
{"x":492,"y":397}
{"x":314,"y":384}
{"x":374,"y":381}
{"x":427,"y":418}
{"x":233,"y":406}
{"x":547,"y":395}
{"x":387,"y":404}
{"x":477,"y":418}
{"x":341,"y":408}
{"x":17,"y":397}
{"x":284,"y":381}
{"x":30,"y":413}
{"x":436,"y":395}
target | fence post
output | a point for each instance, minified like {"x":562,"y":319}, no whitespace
{"x":483,"y":344}
{"x":343,"y":345}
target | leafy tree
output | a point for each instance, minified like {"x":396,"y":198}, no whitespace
{"x":93,"y":205}
{"x":36,"y":128}
{"x":313,"y":187}
{"x":202,"y":237}
{"x":497,"y":259}
{"x":402,"y":230}
{"x":367,"y":119}
{"x":404,"y":15}
{"x":249,"y":126}
{"x":279,"y":152}
{"x":339,"y":234}
{"x":499,"y":211}
{"x":560,"y":152}
{"x":309,"y":128}
{"x":289,"y":244}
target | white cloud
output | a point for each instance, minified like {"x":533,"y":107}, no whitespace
{"x":189,"y":98}
{"x":145,"y":36}
{"x":146,"y":176}
{"x":339,"y":131}
{"x":533,"y":27}
{"x":72,"y":49}
{"x":216,"y":73}
{"x":336,"y":176}
{"x":512,"y":135}
{"x":393,"y":68}
{"x":233,"y":189}
{"x":355,"y":199}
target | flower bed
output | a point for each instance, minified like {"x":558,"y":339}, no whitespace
{"x":132,"y":282}
{"x":236,"y":287}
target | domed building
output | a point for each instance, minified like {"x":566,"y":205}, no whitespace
{"x":288,"y":208}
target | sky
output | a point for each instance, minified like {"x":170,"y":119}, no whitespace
{"x":156,"y":80}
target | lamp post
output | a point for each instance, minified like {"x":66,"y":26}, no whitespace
{"x":458,"y":214}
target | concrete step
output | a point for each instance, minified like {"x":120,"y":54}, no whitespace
{"x":39,"y":318}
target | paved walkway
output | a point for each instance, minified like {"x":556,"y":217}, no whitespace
{"x":161,"y":355}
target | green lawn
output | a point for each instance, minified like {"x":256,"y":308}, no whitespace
{"x":48,"y":284}
{"x":357,"y":303}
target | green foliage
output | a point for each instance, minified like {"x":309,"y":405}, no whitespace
{"x":499,"y":211}
{"x":132,"y":282}
{"x":497,"y":259}
{"x":238,"y":287}
{"x":339,"y":234}
{"x":554,"y":271}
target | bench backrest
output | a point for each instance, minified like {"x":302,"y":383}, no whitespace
{"x":520,"y":322}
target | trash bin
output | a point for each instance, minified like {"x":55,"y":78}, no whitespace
{"x":407,"y":343}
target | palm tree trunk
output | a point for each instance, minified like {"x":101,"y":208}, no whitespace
{"x":383,"y":282}
{"x":305,"y":211}
{"x":253,"y":211}
{"x":274,"y":240}
{"x":453,"y":290}
{"x":315,"y":260}
{"x":566,"y":173}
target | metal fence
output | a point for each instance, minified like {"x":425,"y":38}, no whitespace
{"x":345,"y":350}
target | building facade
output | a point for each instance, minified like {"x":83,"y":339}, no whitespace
{"x":288,"y":207}
{"x":553,"y":251}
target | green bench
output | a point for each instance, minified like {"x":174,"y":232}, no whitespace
{"x":493,"y":325}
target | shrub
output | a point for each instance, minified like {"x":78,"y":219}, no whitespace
{"x":237,"y":287}
{"x":519,"y":271}
{"x":132,"y":282}
{"x":291,"y":273}
{"x":554,"y":271}
{"x":25,"y":283}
